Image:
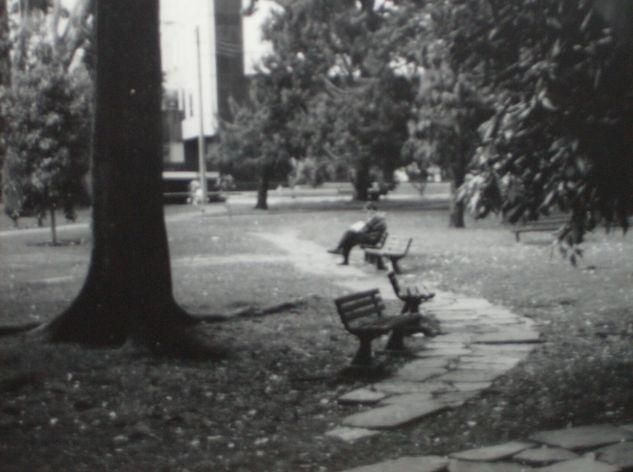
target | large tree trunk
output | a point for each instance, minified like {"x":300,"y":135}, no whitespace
{"x":128,"y":290}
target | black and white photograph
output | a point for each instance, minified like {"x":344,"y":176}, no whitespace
{"x":316,"y":235}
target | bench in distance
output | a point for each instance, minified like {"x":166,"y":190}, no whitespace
{"x":393,"y":249}
{"x":378,"y":245}
{"x":550,"y":223}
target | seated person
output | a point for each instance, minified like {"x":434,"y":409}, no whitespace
{"x":362,"y":232}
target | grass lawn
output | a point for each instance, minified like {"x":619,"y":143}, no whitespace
{"x":266,"y":405}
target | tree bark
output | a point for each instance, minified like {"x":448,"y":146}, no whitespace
{"x":456,"y":215}
{"x":128,"y":289}
{"x":53,"y":226}
{"x":361,"y":182}
{"x":457,"y":207}
{"x":262,"y":190}
{"x":74,"y":33}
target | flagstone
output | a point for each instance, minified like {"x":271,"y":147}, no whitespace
{"x":501,"y":349}
{"x":496,"y":311}
{"x":514,"y":335}
{"x":422,"y":369}
{"x":469,"y":375}
{"x":407,"y":399}
{"x":464,"y":303}
{"x":545,"y":455}
{"x":351,"y":434}
{"x":450,"y":350}
{"x":463,"y":327}
{"x":402,"y":387}
{"x":464,"y":387}
{"x":620,"y":454}
{"x":494,"y":363}
{"x":485,"y":363}
{"x":466,"y":466}
{"x":450,"y":312}
{"x":455,"y":399}
{"x":492,"y":453}
{"x":392,"y":416}
{"x":406,"y":464}
{"x":362,"y":395}
{"x":582,"y":437}
{"x":450,"y":339}
{"x":584,"y":464}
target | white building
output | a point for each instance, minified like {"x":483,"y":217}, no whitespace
{"x":207,"y":45}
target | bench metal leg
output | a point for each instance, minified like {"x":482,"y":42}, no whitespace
{"x":396,"y":340}
{"x":363,"y":356}
{"x":411,"y":305}
{"x":394,"y":264}
{"x":380,"y":264}
{"x":371,"y":258}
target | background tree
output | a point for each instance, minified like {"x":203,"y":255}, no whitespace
{"x":128,"y":289}
{"x":560,"y":138}
{"x":448,"y":105}
{"x":449,"y":111}
{"x":367,"y":129}
{"x":254,"y":143}
{"x":32,"y":17}
{"x":333,"y":86}
{"x":47,"y":115}
{"x":47,"y":131}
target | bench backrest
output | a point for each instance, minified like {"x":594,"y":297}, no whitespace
{"x":378,"y":244}
{"x":381,"y":241}
{"x":395,"y":245}
{"x":360,"y":306}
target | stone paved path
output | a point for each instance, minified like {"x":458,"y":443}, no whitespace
{"x":480,"y":342}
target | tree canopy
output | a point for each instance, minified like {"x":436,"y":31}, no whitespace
{"x":561,"y":85}
{"x":47,"y":113}
{"x":332,"y":88}
{"x":45,"y":108}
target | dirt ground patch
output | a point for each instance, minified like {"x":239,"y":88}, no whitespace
{"x":267,"y":403}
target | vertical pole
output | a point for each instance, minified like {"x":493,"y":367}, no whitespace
{"x":202,"y":166}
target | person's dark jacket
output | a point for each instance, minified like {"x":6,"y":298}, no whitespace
{"x":375,"y":228}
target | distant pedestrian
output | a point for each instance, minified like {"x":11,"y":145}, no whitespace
{"x":195,"y":193}
{"x":368,"y":231}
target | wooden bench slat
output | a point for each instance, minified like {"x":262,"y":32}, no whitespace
{"x":354,"y":296}
{"x":367,"y":300}
{"x":358,"y":313}
{"x":544,"y":223}
{"x":393,"y":249}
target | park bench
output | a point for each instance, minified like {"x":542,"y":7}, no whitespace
{"x":393,"y":249}
{"x":549,"y":223}
{"x":412,"y":298}
{"x":362,"y":315}
{"x":377,"y":245}
{"x":409,"y":294}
